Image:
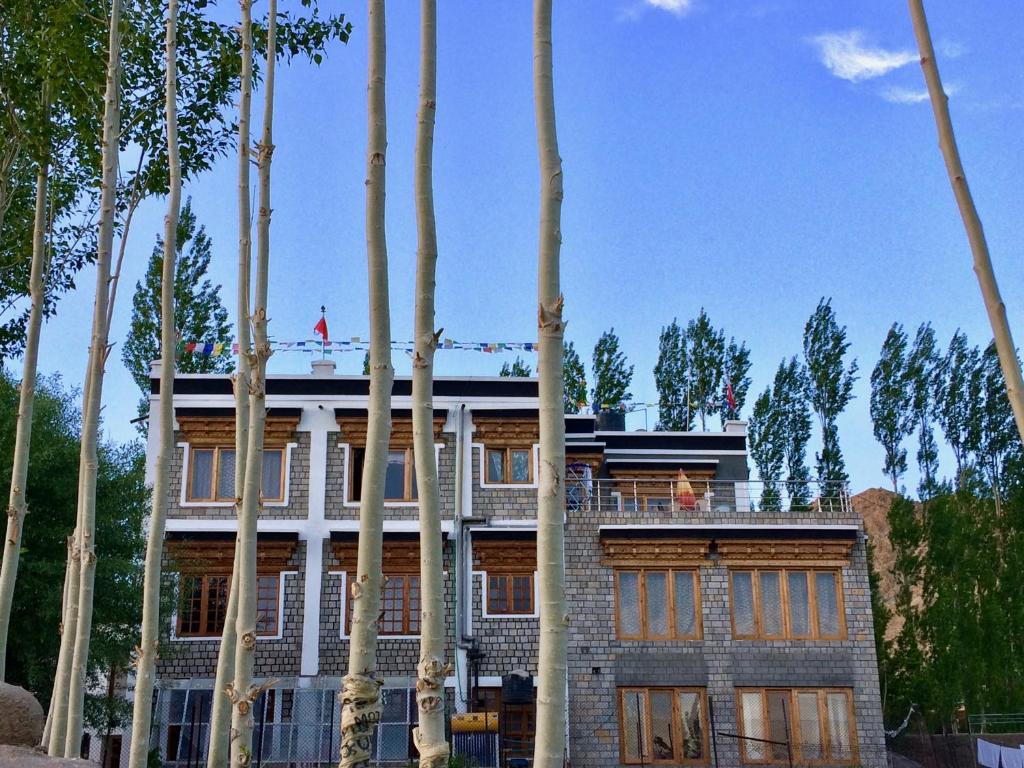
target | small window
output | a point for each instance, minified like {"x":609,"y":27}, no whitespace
{"x":508,"y":465}
{"x":662,"y":726}
{"x":510,"y":593}
{"x":203,"y":604}
{"x":400,"y":605}
{"x":399,"y":475}
{"x":799,"y":604}
{"x":657,"y":604}
{"x":212,"y":475}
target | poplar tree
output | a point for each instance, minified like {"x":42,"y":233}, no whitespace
{"x":736,"y":374}
{"x":574,"y":395}
{"x":789,"y":401}
{"x":518,"y":368}
{"x":891,"y":408}
{"x":766,"y":434}
{"x":431,"y":671}
{"x":360,"y":693}
{"x":994,"y":305}
{"x":552,"y":673}
{"x":148,"y":648}
{"x":670,"y":379}
{"x":706,"y":361}
{"x":829,"y":388}
{"x":994,"y":437}
{"x":612,"y":374}
{"x":953,"y":403}
{"x":922,"y":370}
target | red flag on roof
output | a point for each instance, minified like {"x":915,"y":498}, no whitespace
{"x":729,"y":396}
{"x":321,"y":328}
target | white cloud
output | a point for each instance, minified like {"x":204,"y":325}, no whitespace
{"x":952,"y":49}
{"x":847,"y":57}
{"x":898,"y":95}
{"x":678,"y":7}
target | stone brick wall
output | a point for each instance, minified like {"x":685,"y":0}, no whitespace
{"x":298,"y":487}
{"x":501,"y":503}
{"x":278,"y":657}
{"x":508,"y":642}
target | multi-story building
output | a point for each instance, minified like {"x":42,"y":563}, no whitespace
{"x":709,"y":623}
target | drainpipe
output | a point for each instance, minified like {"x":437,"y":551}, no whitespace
{"x":463,"y":643}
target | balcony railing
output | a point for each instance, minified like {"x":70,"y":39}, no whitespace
{"x":661,"y":496}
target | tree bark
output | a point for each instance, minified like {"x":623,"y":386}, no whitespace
{"x":360,"y":694}
{"x":148,"y":649}
{"x":243,"y":693}
{"x":88,"y":457}
{"x":17,"y":508}
{"x":59,"y":697}
{"x":972,"y":222}
{"x":221,"y":710}
{"x":549,"y":749}
{"x":432,"y":670}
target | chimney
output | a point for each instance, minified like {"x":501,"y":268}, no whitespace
{"x":323,"y":368}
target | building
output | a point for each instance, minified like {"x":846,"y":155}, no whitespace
{"x":702,"y":627}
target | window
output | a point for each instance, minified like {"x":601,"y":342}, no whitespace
{"x":657,"y":604}
{"x":509,"y":465}
{"x":203,"y":604}
{"x":816,"y":724}
{"x":773,"y":604}
{"x":400,"y":605}
{"x":510,"y":593}
{"x":662,"y":726}
{"x":399,"y":477}
{"x":211,"y":474}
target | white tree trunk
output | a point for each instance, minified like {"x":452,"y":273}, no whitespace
{"x":244,"y":694}
{"x":17,"y":507}
{"x":360,"y":694}
{"x":220,"y":715}
{"x":148,"y":649}
{"x":549,"y":748}
{"x":62,"y":678}
{"x":44,"y":743}
{"x":972,"y":222}
{"x":88,"y":457}
{"x":432,"y":670}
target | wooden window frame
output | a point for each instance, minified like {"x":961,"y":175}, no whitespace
{"x":670,"y":598}
{"x":215,"y":476}
{"x":204,"y":580}
{"x":812,"y":602}
{"x":509,"y":576}
{"x":407,"y":613}
{"x":408,"y":471}
{"x":677,"y":720}
{"x":506,"y":463}
{"x":792,"y":724}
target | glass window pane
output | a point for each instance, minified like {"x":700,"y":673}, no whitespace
{"x":656,"y":583}
{"x":685,"y":604}
{"x":840,"y":744}
{"x":226,"y":475}
{"x":771,"y":604}
{"x":779,"y":718}
{"x":272,"y":474}
{"x":629,"y":603}
{"x":216,"y":604}
{"x":690,"y":715}
{"x":809,"y":726}
{"x":743,"y":603}
{"x":662,"y":740}
{"x":828,"y":604}
{"x":392,"y":606}
{"x":520,"y":466}
{"x":799,"y":609}
{"x":414,"y":605}
{"x":266,"y":604}
{"x":191,"y":605}
{"x":201,"y":486}
{"x":634,"y":726}
{"x":394,"y":479}
{"x":497,"y":594}
{"x":495,"y":466}
{"x":522,"y":594}
{"x":753,"y":726}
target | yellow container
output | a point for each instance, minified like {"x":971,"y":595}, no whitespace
{"x":475,"y":722}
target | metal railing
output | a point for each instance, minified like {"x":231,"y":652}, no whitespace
{"x":679,"y":495}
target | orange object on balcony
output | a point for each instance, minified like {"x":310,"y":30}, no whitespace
{"x":685,"y":498}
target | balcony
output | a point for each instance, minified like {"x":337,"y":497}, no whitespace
{"x":664,"y":496}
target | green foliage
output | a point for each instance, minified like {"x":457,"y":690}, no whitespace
{"x":953,"y":406}
{"x":788,"y":388}
{"x":706,"y":360}
{"x":518,"y":368}
{"x":122,"y":503}
{"x":366,"y":363}
{"x":828,"y":384}
{"x":574,"y":376}
{"x":199,"y":314}
{"x":892,"y":394}
{"x":670,"y":380}
{"x":922,"y":373}
{"x":737,"y":368}
{"x":766,"y":434}
{"x":612,"y":375}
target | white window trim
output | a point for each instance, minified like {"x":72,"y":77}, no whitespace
{"x":259,"y":638}
{"x":484,"y":613}
{"x":344,"y":605}
{"x":346,"y":449}
{"x":479,"y":447}
{"x":185,"y":503}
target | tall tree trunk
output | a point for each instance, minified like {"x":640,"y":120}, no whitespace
{"x":220,"y":715}
{"x":88,"y":457}
{"x":244,"y":693}
{"x":360,"y":694}
{"x":549,"y":749}
{"x":145,"y":669}
{"x":17,"y":507}
{"x":58,"y":717}
{"x":972,"y":222}
{"x":432,"y":670}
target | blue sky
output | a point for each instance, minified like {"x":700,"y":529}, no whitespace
{"x":744,"y":156}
